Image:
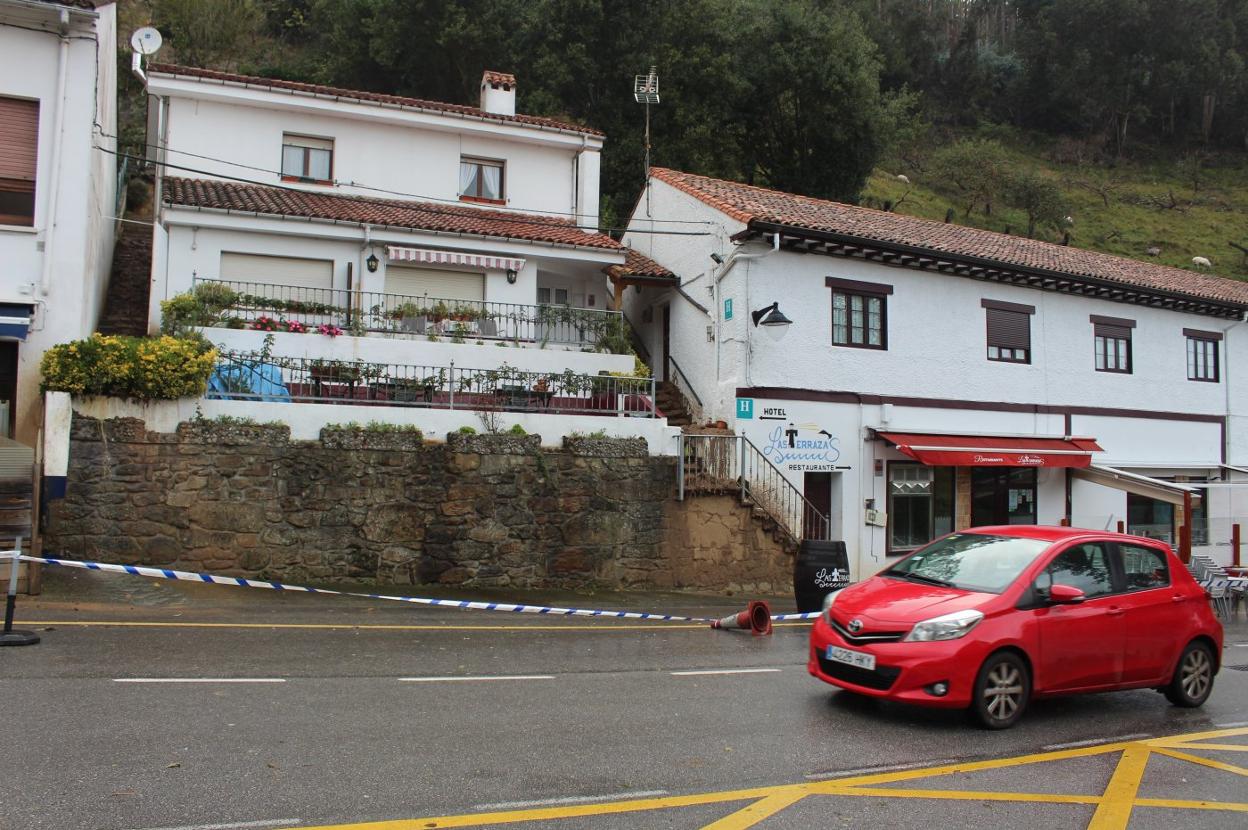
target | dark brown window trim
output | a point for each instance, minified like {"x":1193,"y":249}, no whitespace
{"x":1121,"y":322}
{"x":1001,"y":305}
{"x":822,"y":396}
{"x":1197,"y":334}
{"x":882,"y":346}
{"x":856,"y":287}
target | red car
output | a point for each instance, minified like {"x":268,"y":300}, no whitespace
{"x":989,"y":618}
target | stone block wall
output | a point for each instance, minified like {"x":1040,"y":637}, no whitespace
{"x":477,"y":510}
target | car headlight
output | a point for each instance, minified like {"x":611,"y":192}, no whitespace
{"x":945,"y":627}
{"x":828,"y":601}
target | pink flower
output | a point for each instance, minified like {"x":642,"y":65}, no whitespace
{"x":329,"y":330}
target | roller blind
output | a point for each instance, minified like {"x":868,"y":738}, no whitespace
{"x":19,"y":138}
{"x":435,"y":283}
{"x":1009,"y":329}
{"x":277,"y":270}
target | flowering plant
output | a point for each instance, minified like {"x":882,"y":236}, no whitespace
{"x":329,"y":329}
{"x":295,"y":327}
{"x":264,"y":323}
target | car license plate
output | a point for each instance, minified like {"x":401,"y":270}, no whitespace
{"x":852,"y":658}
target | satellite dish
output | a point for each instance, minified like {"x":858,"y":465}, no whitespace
{"x":146,"y":41}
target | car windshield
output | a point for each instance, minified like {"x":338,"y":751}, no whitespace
{"x":970,"y":561}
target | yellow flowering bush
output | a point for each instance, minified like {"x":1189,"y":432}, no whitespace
{"x":141,"y":368}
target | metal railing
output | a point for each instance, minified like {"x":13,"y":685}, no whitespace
{"x":242,"y":304}
{"x":680,"y":380}
{"x":256,"y":376}
{"x":732,"y":464}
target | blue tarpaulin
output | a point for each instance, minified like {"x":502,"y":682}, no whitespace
{"x":253,"y":381}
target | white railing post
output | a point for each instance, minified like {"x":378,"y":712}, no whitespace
{"x":680,"y":467}
{"x":451,"y":382}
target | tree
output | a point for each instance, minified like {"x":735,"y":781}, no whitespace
{"x":811,"y":108}
{"x":976,"y":169}
{"x":1039,"y":197}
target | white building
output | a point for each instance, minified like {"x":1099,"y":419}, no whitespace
{"x":935,"y":377}
{"x":58,"y":188}
{"x":424,"y":236}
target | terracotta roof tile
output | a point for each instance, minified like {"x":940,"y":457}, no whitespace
{"x":360,"y":95}
{"x":278,"y":201}
{"x":747,"y":204}
{"x":640,"y":265}
{"x":503,"y":79}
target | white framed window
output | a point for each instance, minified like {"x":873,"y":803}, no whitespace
{"x":480,"y":179}
{"x":307,"y":159}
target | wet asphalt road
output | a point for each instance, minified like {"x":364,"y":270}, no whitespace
{"x":361,"y":728}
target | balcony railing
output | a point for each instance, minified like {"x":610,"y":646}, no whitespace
{"x":271,"y":307}
{"x":256,"y":376}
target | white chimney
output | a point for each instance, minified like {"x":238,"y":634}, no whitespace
{"x":498,"y":93}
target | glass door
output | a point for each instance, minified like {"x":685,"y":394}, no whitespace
{"x":1003,"y":496}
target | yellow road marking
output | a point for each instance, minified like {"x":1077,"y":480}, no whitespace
{"x":1218,"y":747}
{"x":971,"y":795}
{"x":1114,"y":811}
{"x":606,"y":626}
{"x":754,"y":813}
{"x":1232,"y":806}
{"x":1195,"y":759}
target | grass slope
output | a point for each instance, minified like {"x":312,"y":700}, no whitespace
{"x":1123,"y":210}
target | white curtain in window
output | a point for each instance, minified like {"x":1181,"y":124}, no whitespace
{"x":493,"y":188}
{"x":292,"y":161}
{"x":318,"y":164}
{"x":467,"y":179}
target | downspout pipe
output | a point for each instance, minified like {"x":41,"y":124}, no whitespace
{"x":733,"y":258}
{"x":58,"y":131}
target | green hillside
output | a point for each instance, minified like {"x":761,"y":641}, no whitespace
{"x":1185,"y":208}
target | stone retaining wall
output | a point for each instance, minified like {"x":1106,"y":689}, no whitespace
{"x":477,"y":510}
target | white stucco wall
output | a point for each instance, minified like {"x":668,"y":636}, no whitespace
{"x":79,"y":238}
{"x":306,"y":419}
{"x":415,"y":157}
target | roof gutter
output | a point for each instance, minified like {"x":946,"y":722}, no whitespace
{"x":847,"y":239}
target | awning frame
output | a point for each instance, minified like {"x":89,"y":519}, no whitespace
{"x":433,"y":256}
{"x":1170,"y":492}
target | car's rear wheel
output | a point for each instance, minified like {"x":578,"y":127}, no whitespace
{"x":1193,"y":677}
{"x":1002,"y":689}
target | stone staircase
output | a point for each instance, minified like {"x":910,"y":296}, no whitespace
{"x":125,"y":306}
{"x":672,"y":404}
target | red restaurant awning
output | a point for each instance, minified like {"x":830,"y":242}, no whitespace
{"x":993,"y":451}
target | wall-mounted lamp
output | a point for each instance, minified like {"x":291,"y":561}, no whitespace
{"x":511,"y":276}
{"x":770,"y":316}
{"x":372,"y":262}
{"x":719,"y":260}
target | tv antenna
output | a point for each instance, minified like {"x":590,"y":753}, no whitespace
{"x":646,"y":91}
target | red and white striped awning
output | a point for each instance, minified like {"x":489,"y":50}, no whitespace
{"x":432,"y":257}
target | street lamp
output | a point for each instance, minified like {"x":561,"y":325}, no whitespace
{"x":770,"y":316}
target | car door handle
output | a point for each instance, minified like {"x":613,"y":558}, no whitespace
{"x":1115,"y":611}
{"x":1178,"y":599}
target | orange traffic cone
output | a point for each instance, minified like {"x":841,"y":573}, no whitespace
{"x":756,"y":619}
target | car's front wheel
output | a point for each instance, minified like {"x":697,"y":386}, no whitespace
{"x":1002,"y":689}
{"x":1193,"y":677}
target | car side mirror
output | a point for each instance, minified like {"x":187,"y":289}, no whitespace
{"x":1066,"y":595}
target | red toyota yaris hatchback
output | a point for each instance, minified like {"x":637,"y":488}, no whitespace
{"x":989,"y":618}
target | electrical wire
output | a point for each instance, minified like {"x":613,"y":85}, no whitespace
{"x":400,"y":193}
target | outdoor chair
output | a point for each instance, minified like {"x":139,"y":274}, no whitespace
{"x":1220,"y":595}
{"x":487,"y":327}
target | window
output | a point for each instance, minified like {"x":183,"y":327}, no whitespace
{"x":1085,"y":567}
{"x":1144,"y":568}
{"x":1009,"y":331}
{"x":1202,"y":355}
{"x":480,"y":180}
{"x":1150,"y":517}
{"x":970,"y":561}
{"x":920,"y":504}
{"x":859,"y":313}
{"x":1003,"y":496}
{"x":19,"y":148}
{"x":307,"y":159}
{"x":1112,"y":338}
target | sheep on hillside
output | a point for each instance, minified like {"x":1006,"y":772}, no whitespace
{"x":1153,"y":250}
{"x":902,"y":177}
{"x":1201,"y":262}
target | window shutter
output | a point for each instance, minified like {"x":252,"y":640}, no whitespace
{"x":19,"y":138}
{"x":1009,"y":329}
{"x":1114,"y":332}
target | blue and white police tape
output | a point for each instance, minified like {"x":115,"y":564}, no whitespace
{"x":238,"y":581}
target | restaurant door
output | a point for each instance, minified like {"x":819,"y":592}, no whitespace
{"x":1003,"y":496}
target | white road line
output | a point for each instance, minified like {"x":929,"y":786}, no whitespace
{"x":841,"y":773}
{"x":722,"y":671}
{"x":575,"y":799}
{"x":236,"y":825}
{"x":1094,"y":741}
{"x":200,"y":680}
{"x":454,"y":679}
{"x":1234,"y":725}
